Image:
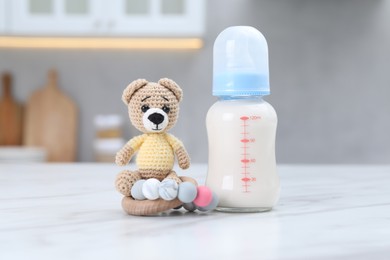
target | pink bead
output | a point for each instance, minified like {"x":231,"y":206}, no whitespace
{"x":204,"y":196}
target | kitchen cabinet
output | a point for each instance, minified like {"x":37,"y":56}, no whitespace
{"x":54,"y":17}
{"x":104,"y":18}
{"x":167,"y":17}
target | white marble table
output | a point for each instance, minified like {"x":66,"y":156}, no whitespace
{"x":72,"y":211}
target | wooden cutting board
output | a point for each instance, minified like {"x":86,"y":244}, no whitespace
{"x":51,"y":122}
{"x":10,"y":115}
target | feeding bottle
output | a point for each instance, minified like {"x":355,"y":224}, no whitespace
{"x":241,"y":126}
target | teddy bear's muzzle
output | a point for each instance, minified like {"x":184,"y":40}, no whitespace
{"x":155,"y":120}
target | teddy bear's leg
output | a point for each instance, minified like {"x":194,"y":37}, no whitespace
{"x":125,"y":181}
{"x":172,"y":175}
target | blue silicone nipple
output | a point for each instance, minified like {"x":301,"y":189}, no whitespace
{"x":240,"y":63}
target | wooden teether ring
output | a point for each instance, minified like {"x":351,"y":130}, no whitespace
{"x":151,"y":207}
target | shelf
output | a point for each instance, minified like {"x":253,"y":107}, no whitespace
{"x":99,"y":43}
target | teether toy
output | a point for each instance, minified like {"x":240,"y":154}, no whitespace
{"x":155,"y":187}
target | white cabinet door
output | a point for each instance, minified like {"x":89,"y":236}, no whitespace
{"x":156,"y":17}
{"x":105,"y":18}
{"x":56,"y":17}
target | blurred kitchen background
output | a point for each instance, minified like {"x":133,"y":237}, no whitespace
{"x":329,"y":70}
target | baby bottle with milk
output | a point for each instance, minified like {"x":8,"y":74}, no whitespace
{"x":241,"y":126}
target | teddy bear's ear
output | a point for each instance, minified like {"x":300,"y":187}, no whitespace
{"x":131,"y":88}
{"x":172,"y":86}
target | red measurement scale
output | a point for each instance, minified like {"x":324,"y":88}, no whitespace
{"x":246,"y":160}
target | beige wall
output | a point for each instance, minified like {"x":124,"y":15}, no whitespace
{"x":330,"y":78}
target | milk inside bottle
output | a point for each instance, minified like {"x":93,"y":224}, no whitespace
{"x":241,"y":126}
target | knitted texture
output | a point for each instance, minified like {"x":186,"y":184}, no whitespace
{"x":172,"y":86}
{"x":131,"y":88}
{"x":125,"y":154}
{"x":155,"y":153}
{"x":174,"y":177}
{"x":153,"y":173}
{"x":156,"y":148}
{"x":153,"y":95}
{"x":125,"y":180}
{"x":181,"y":153}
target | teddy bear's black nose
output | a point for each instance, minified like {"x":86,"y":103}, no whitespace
{"x":156,"y":118}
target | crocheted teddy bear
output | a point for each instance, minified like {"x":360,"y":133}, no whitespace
{"x":154,"y":109}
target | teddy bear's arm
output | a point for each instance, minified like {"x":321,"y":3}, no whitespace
{"x":182,"y":156}
{"x":124,"y":155}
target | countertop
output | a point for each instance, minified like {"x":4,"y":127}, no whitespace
{"x":72,"y":211}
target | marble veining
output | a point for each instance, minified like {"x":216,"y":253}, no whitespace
{"x":71,"y":211}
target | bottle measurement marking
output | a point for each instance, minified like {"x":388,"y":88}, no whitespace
{"x":246,"y":140}
{"x":244,"y":160}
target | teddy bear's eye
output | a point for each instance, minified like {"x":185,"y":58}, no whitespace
{"x":166,"y":109}
{"x":145,"y":108}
